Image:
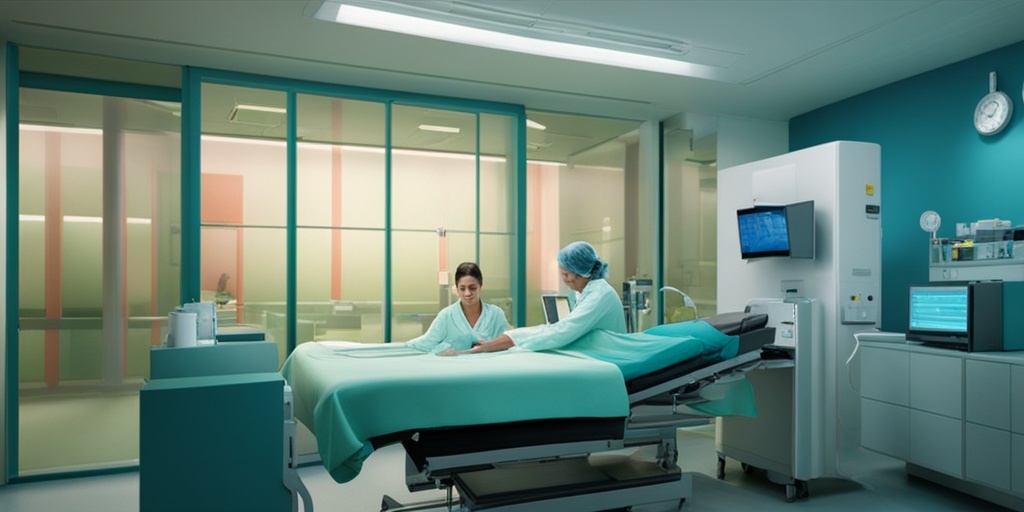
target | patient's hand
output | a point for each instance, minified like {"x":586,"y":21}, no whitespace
{"x":503,"y":342}
{"x":449,"y":352}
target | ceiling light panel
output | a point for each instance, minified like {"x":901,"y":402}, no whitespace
{"x":502,"y":30}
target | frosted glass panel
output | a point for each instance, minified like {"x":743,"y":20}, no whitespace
{"x":244,"y":199}
{"x":341,"y":169}
{"x":78,"y":385}
{"x":434,"y":172}
{"x":690,"y":217}
{"x":496,"y":174}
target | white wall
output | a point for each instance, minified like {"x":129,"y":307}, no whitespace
{"x":746,"y":140}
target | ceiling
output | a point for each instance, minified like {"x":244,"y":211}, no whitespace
{"x":764,"y":59}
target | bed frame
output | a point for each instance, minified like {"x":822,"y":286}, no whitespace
{"x":565,"y":464}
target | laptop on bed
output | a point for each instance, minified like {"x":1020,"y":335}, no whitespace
{"x":555,"y":307}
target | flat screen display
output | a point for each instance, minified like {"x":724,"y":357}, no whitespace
{"x":938,"y":312}
{"x":556,"y":307}
{"x":764,"y":232}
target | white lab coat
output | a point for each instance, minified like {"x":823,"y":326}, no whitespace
{"x":597,"y":307}
{"x":450,"y":329}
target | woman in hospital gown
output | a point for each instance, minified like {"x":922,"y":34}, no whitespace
{"x":468,"y":321}
{"x":598,"y":306}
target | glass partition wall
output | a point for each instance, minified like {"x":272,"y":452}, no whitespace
{"x":389,"y":197}
{"x":580,"y":173}
{"x":689,"y":195}
{"x":99,"y":220}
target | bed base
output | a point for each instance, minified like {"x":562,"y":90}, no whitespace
{"x":561,"y":465}
{"x":597,"y":482}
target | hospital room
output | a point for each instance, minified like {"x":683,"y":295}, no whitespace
{"x":512,"y":256}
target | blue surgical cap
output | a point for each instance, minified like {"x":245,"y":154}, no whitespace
{"x":580,"y":258}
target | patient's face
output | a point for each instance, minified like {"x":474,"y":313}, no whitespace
{"x":468,"y":290}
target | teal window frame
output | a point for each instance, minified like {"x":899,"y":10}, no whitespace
{"x":194,"y":77}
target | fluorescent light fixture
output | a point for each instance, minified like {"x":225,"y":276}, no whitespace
{"x":530,"y":123}
{"x":260,"y":108}
{"x":438,"y":128}
{"x":411,"y":25}
{"x":257,"y":114}
{"x":25,"y":217}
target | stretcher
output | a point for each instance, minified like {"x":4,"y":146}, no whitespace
{"x":521,"y":430}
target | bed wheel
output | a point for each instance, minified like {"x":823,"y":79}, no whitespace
{"x":721,"y":468}
{"x":796,"y":491}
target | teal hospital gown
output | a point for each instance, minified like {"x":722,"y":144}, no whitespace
{"x":451,"y":329}
{"x":597,"y":307}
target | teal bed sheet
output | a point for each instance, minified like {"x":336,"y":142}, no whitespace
{"x":348,"y":396}
{"x":656,"y":348}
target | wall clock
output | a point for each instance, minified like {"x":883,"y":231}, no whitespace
{"x":993,"y":111}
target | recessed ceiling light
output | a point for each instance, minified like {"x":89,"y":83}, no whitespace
{"x":438,"y":128}
{"x":257,"y":114}
{"x":530,"y":123}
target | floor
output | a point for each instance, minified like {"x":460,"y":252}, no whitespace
{"x":875,"y":483}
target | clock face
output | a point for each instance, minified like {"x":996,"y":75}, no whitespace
{"x":992,"y":113}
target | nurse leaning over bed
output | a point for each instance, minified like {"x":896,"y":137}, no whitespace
{"x":597,"y":306}
{"x":468,"y":321}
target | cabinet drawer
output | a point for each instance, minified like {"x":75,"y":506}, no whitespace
{"x":988,"y":394}
{"x":885,"y":375}
{"x":884,"y":428}
{"x":987,"y":456}
{"x":1017,"y":399}
{"x":1017,"y":471}
{"x":936,"y":384}
{"x":936,"y":442}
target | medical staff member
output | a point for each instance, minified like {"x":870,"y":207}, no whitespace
{"x":468,"y":321}
{"x":598,"y":306}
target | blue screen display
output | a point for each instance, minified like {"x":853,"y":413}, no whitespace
{"x":938,"y":308}
{"x":763,"y":231}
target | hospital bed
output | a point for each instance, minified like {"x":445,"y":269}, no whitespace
{"x":519,"y":430}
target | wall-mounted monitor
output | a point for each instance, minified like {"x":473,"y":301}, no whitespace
{"x":777,"y":231}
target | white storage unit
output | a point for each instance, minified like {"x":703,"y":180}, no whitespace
{"x":964,"y":410}
{"x":843,"y":280}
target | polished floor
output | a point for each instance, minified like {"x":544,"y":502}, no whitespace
{"x":875,"y":483}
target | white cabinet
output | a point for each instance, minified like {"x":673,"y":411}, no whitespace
{"x":957,"y":414}
{"x":936,"y":411}
{"x":885,"y":428}
{"x":885,"y":391}
{"x":987,"y":431}
{"x":1017,"y":399}
{"x":936,"y":384}
{"x":988,"y":393}
{"x":936,"y":442}
{"x":885,"y":375}
{"x":1017,"y":471}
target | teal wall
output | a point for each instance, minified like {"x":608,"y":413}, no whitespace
{"x":932,"y":159}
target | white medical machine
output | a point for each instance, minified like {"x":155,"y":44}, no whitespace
{"x":842,"y":280}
